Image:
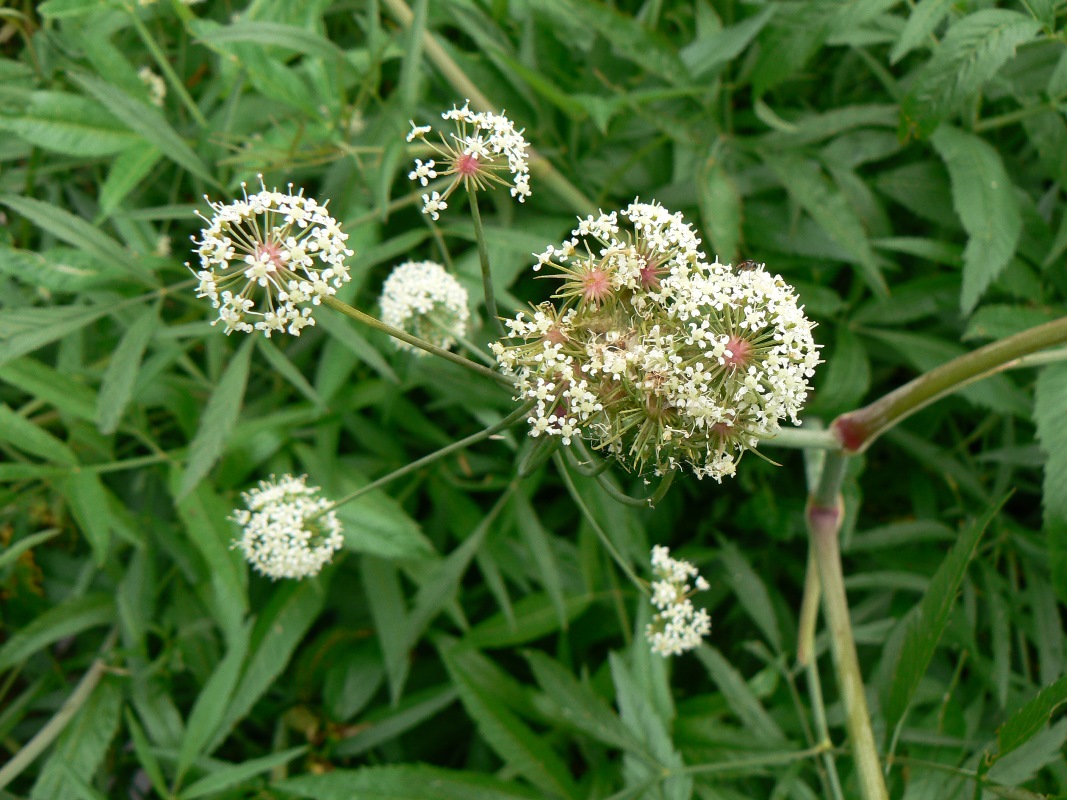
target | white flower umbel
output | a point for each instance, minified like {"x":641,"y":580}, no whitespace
{"x":423,"y":299}
{"x":677,"y":626}
{"x":284,"y":532}
{"x":655,"y":355}
{"x":157,"y":87}
{"x":267,"y":259}
{"x":485,"y":149}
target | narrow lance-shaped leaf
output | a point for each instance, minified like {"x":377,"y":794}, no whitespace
{"x":117,"y":387}
{"x":984,"y":198}
{"x":1030,"y":718}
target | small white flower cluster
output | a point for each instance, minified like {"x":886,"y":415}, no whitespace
{"x":483,"y":147}
{"x":157,"y":87}
{"x":422,"y":298}
{"x":677,"y":626}
{"x":285,"y":533}
{"x":655,"y":355}
{"x":285,"y":244}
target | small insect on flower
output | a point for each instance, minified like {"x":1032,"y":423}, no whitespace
{"x":484,"y":150}
{"x":281,"y":249}
{"x":288,"y":530}
{"x":422,"y":298}
{"x":677,"y":625}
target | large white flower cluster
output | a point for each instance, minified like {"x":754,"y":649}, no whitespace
{"x":655,"y":355}
{"x":482,"y":151}
{"x":422,"y":298}
{"x":286,"y":529}
{"x":268,"y":258}
{"x":677,"y":625}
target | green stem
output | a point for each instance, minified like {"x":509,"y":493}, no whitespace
{"x":404,"y":336}
{"x":825,"y":514}
{"x":804,"y":439}
{"x":163,"y":63}
{"x":487,"y":275}
{"x":59,"y":721}
{"x":856,"y":430}
{"x":474,"y":438}
{"x":757,"y":761}
{"x":539,"y":165}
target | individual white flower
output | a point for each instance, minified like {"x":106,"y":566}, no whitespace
{"x":677,"y":625}
{"x":281,"y":248}
{"x":661,"y":358}
{"x":157,"y":87}
{"x":422,"y":298}
{"x":485,"y":149}
{"x":286,"y":529}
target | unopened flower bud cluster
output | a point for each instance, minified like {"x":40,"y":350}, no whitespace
{"x":422,"y":298}
{"x":284,"y":532}
{"x":677,"y":625}
{"x":483,"y":149}
{"x":268,"y":258}
{"x":655,"y":355}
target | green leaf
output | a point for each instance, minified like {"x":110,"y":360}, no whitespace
{"x":386,"y":724}
{"x":17,"y":548}
{"x":984,"y":198}
{"x":539,"y":544}
{"x":720,"y":210}
{"x":117,"y":386}
{"x":376,"y":523}
{"x":19,"y":432}
{"x":523,"y":750}
{"x":1021,"y":726}
{"x":269,"y":34}
{"x":82,"y":745}
{"x":739,"y":696}
{"x":88,"y":500}
{"x":972,"y":52}
{"x":533,"y":617}
{"x":396,"y":782}
{"x":705,"y":54}
{"x":846,"y":377}
{"x":66,"y":619}
{"x":381,"y":586}
{"x":131,"y":167}
{"x":148,"y":121}
{"x":287,"y":370}
{"x":927,"y":621}
{"x":210,"y":707}
{"x":218,"y":419}
{"x":54,"y":323}
{"x":145,"y":756}
{"x":57,"y":9}
{"x":224,"y":776}
{"x":68,"y":124}
{"x":814,"y":192}
{"x":1052,"y":433}
{"x":751,"y":593}
{"x":925,"y":16}
{"x":45,"y":383}
{"x":1001,"y":321}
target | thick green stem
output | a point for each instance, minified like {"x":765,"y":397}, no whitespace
{"x":474,"y":438}
{"x":825,"y":513}
{"x":404,"y":336}
{"x":539,"y":165}
{"x":487,"y":275}
{"x":804,"y":439}
{"x":856,"y":430}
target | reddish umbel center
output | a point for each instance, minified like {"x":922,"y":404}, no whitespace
{"x":650,"y":273}
{"x":467,"y":164}
{"x":723,"y":429}
{"x":273,"y":252}
{"x":737,"y":352}
{"x":596,"y":285}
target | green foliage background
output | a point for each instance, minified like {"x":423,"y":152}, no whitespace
{"x":903,"y":165}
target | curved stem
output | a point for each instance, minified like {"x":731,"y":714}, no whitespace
{"x":404,"y":336}
{"x":509,"y":420}
{"x":487,"y":274}
{"x":825,"y":513}
{"x":804,"y":439}
{"x":856,"y":430}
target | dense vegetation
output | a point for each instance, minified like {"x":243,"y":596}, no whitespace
{"x":904,"y":166}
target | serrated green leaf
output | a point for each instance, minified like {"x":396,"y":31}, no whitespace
{"x":1044,"y":747}
{"x":813,"y":192}
{"x":66,"y":619}
{"x":532,"y":618}
{"x":385,"y":599}
{"x":377,"y":524}
{"x":847,"y":375}
{"x":117,"y":387}
{"x":88,"y":500}
{"x":45,"y":383}
{"x":385,"y":724}
{"x":924,"y":18}
{"x":793,"y":36}
{"x":69,"y":124}
{"x":268,"y":34}
{"x":1030,"y":718}
{"x":287,"y":370}
{"x":148,"y":121}
{"x":521,"y":748}
{"x":82,"y":745}
{"x":739,"y":696}
{"x":927,"y":621}
{"x":972,"y":52}
{"x":224,"y":776}
{"x":751,"y":593}
{"x":706,"y":53}
{"x":1001,"y":321}
{"x":540,"y":546}
{"x":145,"y":756}
{"x":1052,"y":433}
{"x":218,"y":419}
{"x":720,"y":211}
{"x":984,"y":198}
{"x":395,"y":782}
{"x":128,"y":170}
{"x":19,"y":432}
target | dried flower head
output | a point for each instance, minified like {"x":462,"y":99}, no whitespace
{"x":656,"y":356}
{"x":285,"y":532}
{"x":677,"y":626}
{"x":284,"y":247}
{"x":485,"y":149}
{"x":422,"y":298}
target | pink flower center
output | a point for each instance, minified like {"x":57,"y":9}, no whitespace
{"x":595,"y":286}
{"x":273,"y":251}
{"x":467,"y":164}
{"x":556,"y":336}
{"x":737,"y":352}
{"x":723,"y":429}
{"x":650,"y":273}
